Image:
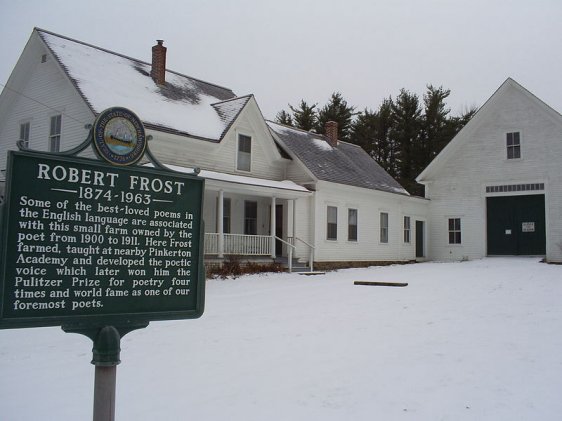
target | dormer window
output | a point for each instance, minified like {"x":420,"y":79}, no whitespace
{"x":513,"y":142}
{"x":244,"y":158}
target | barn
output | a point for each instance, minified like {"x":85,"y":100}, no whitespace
{"x":496,"y":189}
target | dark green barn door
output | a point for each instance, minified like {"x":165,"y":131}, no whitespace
{"x":516,"y":225}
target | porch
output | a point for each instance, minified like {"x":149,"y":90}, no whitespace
{"x":254,"y":219}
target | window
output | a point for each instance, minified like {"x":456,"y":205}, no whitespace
{"x":384,"y":227}
{"x":352,"y":224}
{"x":250,"y":218}
{"x":454,"y":231}
{"x":54,"y":133}
{"x":407,"y":229}
{"x":513,"y":142}
{"x":332,"y":226}
{"x":226,"y":215}
{"x":24,"y":133}
{"x":244,"y":152}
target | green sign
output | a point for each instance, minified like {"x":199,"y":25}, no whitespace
{"x":88,"y":243}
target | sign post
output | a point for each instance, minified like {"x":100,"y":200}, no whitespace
{"x":100,"y":248}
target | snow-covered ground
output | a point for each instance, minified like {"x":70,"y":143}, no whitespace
{"x":478,"y":340}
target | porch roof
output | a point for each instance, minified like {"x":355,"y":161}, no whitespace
{"x":247,"y":185}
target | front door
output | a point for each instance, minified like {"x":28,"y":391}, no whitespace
{"x":419,"y":239}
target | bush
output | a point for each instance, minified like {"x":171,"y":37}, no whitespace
{"x":232,"y":267}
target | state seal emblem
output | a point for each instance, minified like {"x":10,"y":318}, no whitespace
{"x":119,"y":136}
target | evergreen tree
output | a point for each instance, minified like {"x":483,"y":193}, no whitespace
{"x":400,"y":136}
{"x":465,"y":117}
{"x":364,"y":132}
{"x":339,"y":111}
{"x":436,"y":124}
{"x":305,"y":116}
{"x":372,"y":131}
{"x":283,"y":117}
{"x":406,"y":131}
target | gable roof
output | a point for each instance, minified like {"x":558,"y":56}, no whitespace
{"x":345,"y":164}
{"x":467,"y":130}
{"x":184,"y":105}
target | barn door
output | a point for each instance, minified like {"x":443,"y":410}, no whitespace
{"x":516,"y":225}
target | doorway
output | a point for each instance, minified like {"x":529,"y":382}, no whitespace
{"x":420,"y":252}
{"x":516,"y":225}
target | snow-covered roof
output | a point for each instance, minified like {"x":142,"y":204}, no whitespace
{"x":183,"y":105}
{"x":345,"y":164}
{"x":240,"y":179}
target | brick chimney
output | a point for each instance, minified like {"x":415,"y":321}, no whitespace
{"x":158,"y":71}
{"x":331,"y":129}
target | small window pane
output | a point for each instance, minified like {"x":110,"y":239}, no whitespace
{"x":245,"y":143}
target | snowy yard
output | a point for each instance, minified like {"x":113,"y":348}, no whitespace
{"x":475,"y":340}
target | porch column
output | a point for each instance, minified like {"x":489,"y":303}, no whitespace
{"x":272,"y":227}
{"x":294,"y":220}
{"x":220,"y":216}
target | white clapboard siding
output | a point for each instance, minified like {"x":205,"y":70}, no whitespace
{"x":369,"y":205}
{"x":37,"y":91}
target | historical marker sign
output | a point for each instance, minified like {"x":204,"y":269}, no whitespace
{"x":93,"y":244}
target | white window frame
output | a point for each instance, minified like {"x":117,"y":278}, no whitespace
{"x":350,"y":231}
{"x":25,"y":132}
{"x":331,"y":225}
{"x":513,"y":147}
{"x":55,"y":133}
{"x":243,"y":158}
{"x":407,"y":229}
{"x":384,"y":223}
{"x":454,"y":232}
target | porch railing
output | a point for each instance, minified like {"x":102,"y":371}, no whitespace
{"x":248,"y":245}
{"x":253,"y":245}
{"x":311,"y":249}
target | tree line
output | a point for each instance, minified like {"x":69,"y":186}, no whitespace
{"x":403,"y":135}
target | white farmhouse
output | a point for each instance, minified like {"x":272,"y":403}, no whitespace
{"x":270,"y":190}
{"x":496,"y":188}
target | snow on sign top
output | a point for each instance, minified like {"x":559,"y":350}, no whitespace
{"x":107,"y":79}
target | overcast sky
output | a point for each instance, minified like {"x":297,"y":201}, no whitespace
{"x":283,"y":51}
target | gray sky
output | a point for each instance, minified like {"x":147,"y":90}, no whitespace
{"x":283,"y":51}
